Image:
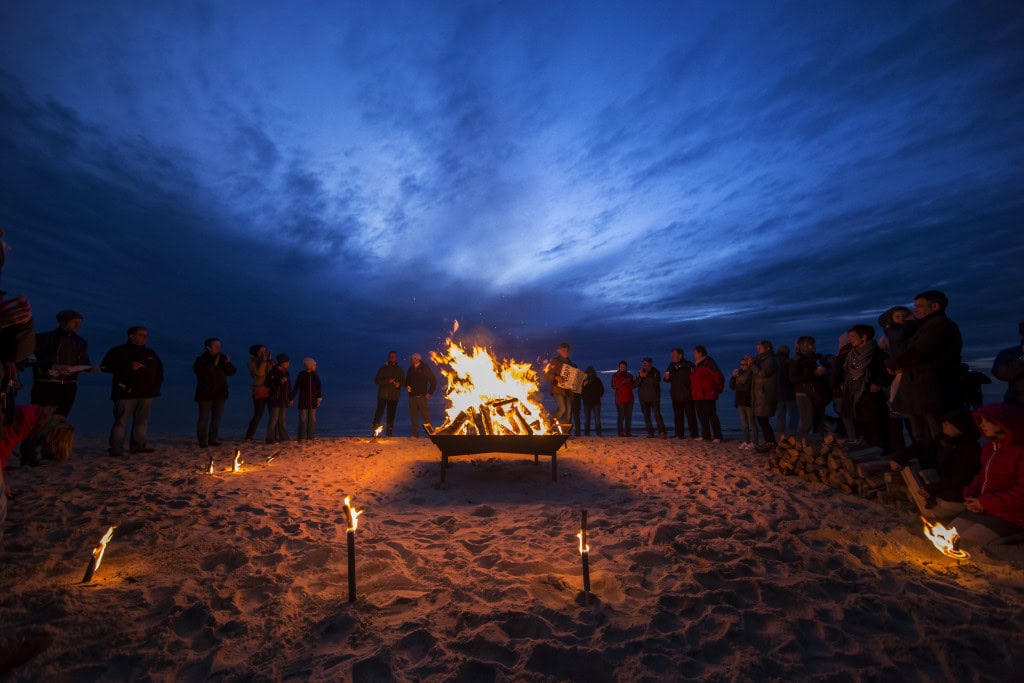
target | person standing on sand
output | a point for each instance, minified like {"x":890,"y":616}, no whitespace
{"x":54,"y":383}
{"x":138,"y":375}
{"x":420,"y":383}
{"x":678,"y":377}
{"x":1009,"y":367}
{"x":707,"y":383}
{"x":308,"y":389}
{"x":260,"y":363}
{"x":763,"y":390}
{"x":389,"y":381}
{"x":740,"y":382}
{"x":787,"y":417}
{"x":648,"y":384}
{"x":622,"y":385}
{"x":212,"y":369}
{"x":593,"y":390}
{"x":562,"y":396}
{"x":280,"y":390}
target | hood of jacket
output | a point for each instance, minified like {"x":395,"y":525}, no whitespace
{"x":1008,"y":416}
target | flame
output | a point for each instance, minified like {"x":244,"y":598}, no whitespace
{"x":947,"y":541}
{"x":353,"y":514}
{"x":97,"y":552}
{"x":238,"y":462}
{"x":209,"y":468}
{"x":378,"y":430}
{"x":583,"y":548}
{"x":476,"y":379}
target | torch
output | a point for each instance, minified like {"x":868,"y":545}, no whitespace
{"x":352,"y":520}
{"x":946,"y":541}
{"x":209,"y":468}
{"x":584,"y":556}
{"x":97,"y":555}
{"x":238,"y":462}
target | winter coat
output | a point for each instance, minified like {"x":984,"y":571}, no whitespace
{"x":420,"y":380}
{"x":706,"y":381}
{"x":553,"y":371}
{"x":999,"y":487}
{"x":764,"y":391}
{"x":593,"y":390}
{"x":1009,"y":367}
{"x":859,"y":402}
{"x":622,"y":384}
{"x":957,"y":458}
{"x":649,"y":387}
{"x":127,"y":383}
{"x":259,"y":371}
{"x":741,"y":385}
{"x":385,"y":388}
{"x":679,"y":380}
{"x":782,"y":383}
{"x":805,"y":381}
{"x":930,"y":363}
{"x":59,"y":347}
{"x":280,"y":385}
{"x":212,"y":374}
{"x":307,"y":388}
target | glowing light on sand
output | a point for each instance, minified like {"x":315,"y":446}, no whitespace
{"x":97,"y":555}
{"x":488,"y":396}
{"x":237,"y":465}
{"x":946,"y":541}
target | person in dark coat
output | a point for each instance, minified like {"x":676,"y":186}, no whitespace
{"x":54,"y":381}
{"x":809,"y":387}
{"x":706,"y":385}
{"x":562,"y":395}
{"x":864,"y":387}
{"x":593,"y":390}
{"x":1009,"y":367}
{"x":280,"y":385}
{"x":896,"y":323}
{"x":648,"y":385}
{"x":787,"y":417}
{"x":389,"y":381}
{"x":212,"y":369}
{"x":763,"y":389}
{"x":930,"y":364}
{"x":740,"y":382}
{"x":680,"y":391}
{"x":310,"y":394}
{"x":138,"y":374}
{"x":420,"y":384}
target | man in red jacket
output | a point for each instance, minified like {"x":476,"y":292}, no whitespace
{"x":706,"y":384}
{"x":995,"y":499}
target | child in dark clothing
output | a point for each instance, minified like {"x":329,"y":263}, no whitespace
{"x":740,"y":382}
{"x":280,"y":398}
{"x":307,"y":388}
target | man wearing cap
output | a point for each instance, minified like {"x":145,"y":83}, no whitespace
{"x":60,"y":355}
{"x":420,"y":384}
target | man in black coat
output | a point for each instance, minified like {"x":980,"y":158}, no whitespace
{"x":930,"y":362}
{"x":54,"y":380}
{"x":420,"y":383}
{"x":678,"y":377}
{"x":138,"y":375}
{"x":212,"y":370}
{"x":1009,"y":367}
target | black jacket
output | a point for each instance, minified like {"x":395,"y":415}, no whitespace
{"x":801,"y":374}
{"x":128,"y":383}
{"x":679,"y":380}
{"x":212,"y":374}
{"x":280,"y":385}
{"x":648,"y":389}
{"x":930,"y":362}
{"x":307,"y":388}
{"x":782,"y":383}
{"x":1009,"y":367}
{"x":592,"y":391}
{"x":420,"y":380}
{"x":59,"y":347}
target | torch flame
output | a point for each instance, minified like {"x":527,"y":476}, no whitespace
{"x":947,"y":541}
{"x":97,"y":552}
{"x":583,"y":548}
{"x":377,"y":430}
{"x":353,"y":514}
{"x":477,"y":380}
{"x":238,"y":462}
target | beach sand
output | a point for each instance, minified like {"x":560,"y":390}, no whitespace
{"x":704,"y":566}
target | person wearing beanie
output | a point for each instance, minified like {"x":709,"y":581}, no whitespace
{"x":307,"y":389}
{"x":280,"y":398}
{"x":61,"y":355}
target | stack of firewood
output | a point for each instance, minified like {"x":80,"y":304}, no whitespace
{"x":863,"y":471}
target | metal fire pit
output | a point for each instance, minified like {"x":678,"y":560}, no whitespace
{"x":452,"y":445}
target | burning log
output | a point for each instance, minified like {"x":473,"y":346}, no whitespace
{"x":477,"y":420}
{"x":520,"y":421}
{"x":485,"y":419}
{"x":946,"y":541}
{"x":97,"y":555}
{"x":456,"y":425}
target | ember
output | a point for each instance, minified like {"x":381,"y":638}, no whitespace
{"x":488,"y":397}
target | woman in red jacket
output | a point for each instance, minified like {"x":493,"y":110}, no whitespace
{"x":995,"y":499}
{"x":622,"y":384}
{"x":706,"y":383}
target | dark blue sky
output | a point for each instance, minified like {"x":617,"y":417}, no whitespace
{"x":341,"y":179}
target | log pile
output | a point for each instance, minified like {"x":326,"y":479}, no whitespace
{"x":505,"y":416}
{"x":864,"y":471}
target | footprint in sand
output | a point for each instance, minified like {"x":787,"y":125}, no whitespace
{"x":230,"y":559}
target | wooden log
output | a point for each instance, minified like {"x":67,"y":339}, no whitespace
{"x":520,"y":421}
{"x":485,"y":417}
{"x":913,"y":483}
{"x":866,"y":470}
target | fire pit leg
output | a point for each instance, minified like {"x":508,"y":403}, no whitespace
{"x":536,"y":458}
{"x":444,"y":469}
{"x":554,"y":466}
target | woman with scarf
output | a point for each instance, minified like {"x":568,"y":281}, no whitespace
{"x":865,"y":379}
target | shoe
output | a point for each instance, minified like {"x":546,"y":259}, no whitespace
{"x":142,"y":450}
{"x":717,"y":441}
{"x":650,"y":436}
{"x":698,"y":438}
{"x":115,"y":453}
{"x":216,"y":443}
{"x":629,"y":433}
{"x":202,"y":445}
{"x":664,"y":435}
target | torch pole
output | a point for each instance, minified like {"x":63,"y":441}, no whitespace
{"x":351,"y":538}
{"x":585,"y":557}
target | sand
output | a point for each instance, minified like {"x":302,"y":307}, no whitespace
{"x":704,"y":567}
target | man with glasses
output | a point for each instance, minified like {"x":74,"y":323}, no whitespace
{"x":138,"y":374}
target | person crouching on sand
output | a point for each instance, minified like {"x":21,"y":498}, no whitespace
{"x":42,"y":434}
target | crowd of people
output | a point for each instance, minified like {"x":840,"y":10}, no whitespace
{"x":904,"y":391}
